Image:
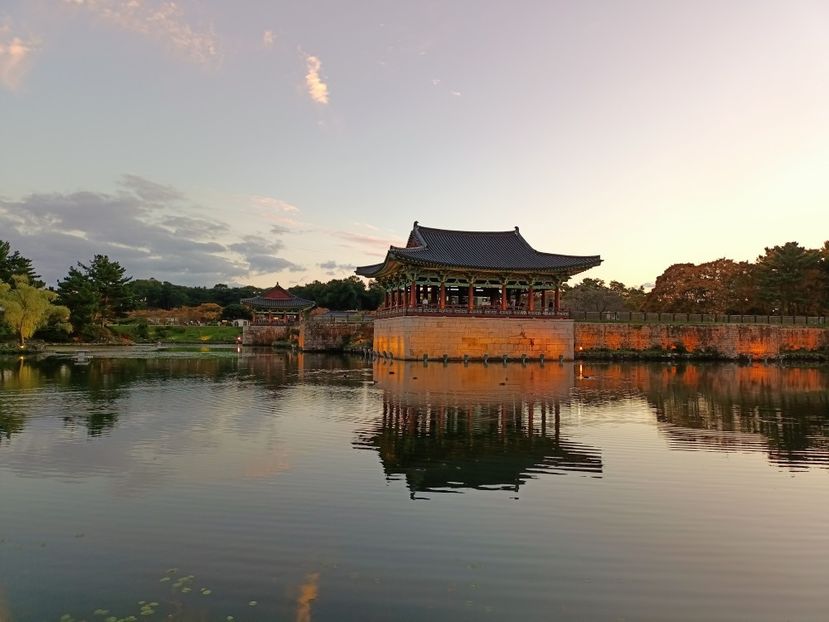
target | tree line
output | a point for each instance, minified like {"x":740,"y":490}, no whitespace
{"x":95,"y":294}
{"x":786,"y":280}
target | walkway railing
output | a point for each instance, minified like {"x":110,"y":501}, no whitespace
{"x":695,"y":318}
{"x":607,"y":316}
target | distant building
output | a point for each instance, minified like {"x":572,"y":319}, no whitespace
{"x":277,"y":306}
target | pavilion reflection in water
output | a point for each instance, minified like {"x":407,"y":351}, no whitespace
{"x":445,"y":428}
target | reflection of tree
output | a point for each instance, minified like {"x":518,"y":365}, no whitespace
{"x":483,"y":446}
{"x":784,"y":411}
{"x":91,"y":395}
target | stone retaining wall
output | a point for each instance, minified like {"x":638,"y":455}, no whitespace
{"x":267,"y":335}
{"x":410,"y":337}
{"x":727,"y":340}
{"x":316,"y":336}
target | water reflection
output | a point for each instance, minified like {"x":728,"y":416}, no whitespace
{"x":448,"y":428}
{"x":782,"y":411}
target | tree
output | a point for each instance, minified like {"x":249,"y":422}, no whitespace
{"x":77,"y":293}
{"x":593,"y":295}
{"x":790,"y":278}
{"x":108,"y":279}
{"x":341,"y":294}
{"x":719,"y":286}
{"x":236,"y":312}
{"x":15,"y":263}
{"x":634,"y":297}
{"x":95,"y":294}
{"x":27,"y":308}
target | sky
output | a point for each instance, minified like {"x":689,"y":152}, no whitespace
{"x":251,"y":142}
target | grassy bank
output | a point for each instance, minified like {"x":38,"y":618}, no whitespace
{"x":177,"y":334}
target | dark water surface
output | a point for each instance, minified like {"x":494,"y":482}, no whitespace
{"x":261,"y":486}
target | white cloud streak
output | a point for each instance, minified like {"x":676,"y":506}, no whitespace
{"x":272,"y":203}
{"x":162,"y":21}
{"x":268,"y":38}
{"x":15,"y":58}
{"x":317,"y":89}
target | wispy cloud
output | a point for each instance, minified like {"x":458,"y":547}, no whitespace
{"x":331,"y":267}
{"x":268,"y":38}
{"x":162,"y":21}
{"x":15,"y":57}
{"x":272,"y":203}
{"x":317,"y":89}
{"x":150,"y":190}
{"x":363,"y":241}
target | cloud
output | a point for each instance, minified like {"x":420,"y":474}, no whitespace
{"x":368,"y":242}
{"x":162,"y":21}
{"x":317,"y":89}
{"x":15,"y":58}
{"x":272,"y":203}
{"x":151,"y":229}
{"x":331,"y":267}
{"x":149,"y":190}
{"x":268,"y":38}
{"x":260,"y":255}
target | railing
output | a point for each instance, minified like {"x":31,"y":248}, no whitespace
{"x":695,"y":318}
{"x":356,"y":318}
{"x":603,"y":316}
{"x":273,"y":323}
{"x":463,"y":310}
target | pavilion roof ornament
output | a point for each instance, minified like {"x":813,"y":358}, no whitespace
{"x":504,"y":251}
{"x":278,"y":298}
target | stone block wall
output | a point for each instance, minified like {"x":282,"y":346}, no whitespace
{"x":410,"y":337}
{"x":728,"y":340}
{"x":267,"y":335}
{"x":317,"y":336}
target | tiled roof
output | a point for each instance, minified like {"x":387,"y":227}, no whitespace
{"x":483,"y":250}
{"x":278,"y":297}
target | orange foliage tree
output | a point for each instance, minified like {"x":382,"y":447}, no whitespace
{"x":719,"y":286}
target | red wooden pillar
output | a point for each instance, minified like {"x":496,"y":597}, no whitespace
{"x":470,"y":302}
{"x":503,"y":297}
{"x":413,"y":294}
{"x":543,"y":299}
{"x":386,"y":300}
{"x":442,"y":296}
{"x":531,"y":299}
{"x":557,"y":300}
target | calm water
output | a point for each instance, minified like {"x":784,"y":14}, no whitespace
{"x":297,"y":487}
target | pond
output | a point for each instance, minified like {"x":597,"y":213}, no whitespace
{"x":225,"y":485}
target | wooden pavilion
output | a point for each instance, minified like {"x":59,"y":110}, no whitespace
{"x":442,"y":272}
{"x":277,"y":306}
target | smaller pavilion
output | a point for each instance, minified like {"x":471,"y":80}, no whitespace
{"x":277,"y":306}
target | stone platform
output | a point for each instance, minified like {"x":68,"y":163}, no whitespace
{"x":412,"y":337}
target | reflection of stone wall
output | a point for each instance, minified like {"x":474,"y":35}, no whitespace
{"x":418,"y":384}
{"x":729,"y":340}
{"x":266,"y":335}
{"x":411,"y":337}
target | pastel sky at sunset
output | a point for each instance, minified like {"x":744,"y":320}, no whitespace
{"x":253,"y":142}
